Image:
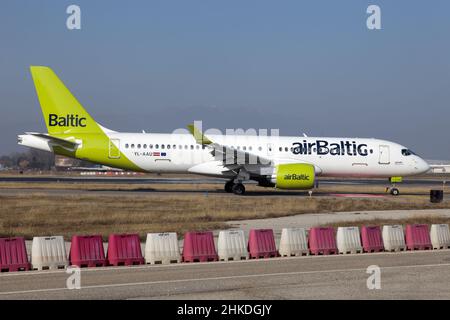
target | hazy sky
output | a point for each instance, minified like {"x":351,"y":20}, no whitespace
{"x":300,"y":66}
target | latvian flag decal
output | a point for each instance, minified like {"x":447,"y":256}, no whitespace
{"x":159,"y":154}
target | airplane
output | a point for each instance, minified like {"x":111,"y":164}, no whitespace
{"x":287,"y":162}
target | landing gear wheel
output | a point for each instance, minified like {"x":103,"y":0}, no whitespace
{"x":229,"y":186}
{"x":238,"y":189}
{"x":395,"y":192}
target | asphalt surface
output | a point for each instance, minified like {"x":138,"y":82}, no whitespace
{"x":406,"y":275}
{"x":170,"y":180}
{"x":149,"y":190}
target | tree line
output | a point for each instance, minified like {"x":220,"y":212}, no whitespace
{"x":29,"y":159}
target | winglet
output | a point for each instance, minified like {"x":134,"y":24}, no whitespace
{"x":198,"y":135}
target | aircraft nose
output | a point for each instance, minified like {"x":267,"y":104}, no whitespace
{"x":422,"y":165}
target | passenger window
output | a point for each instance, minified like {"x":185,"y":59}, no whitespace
{"x":150,"y":146}
{"x":126,"y":145}
{"x":192,"y":147}
{"x":156,"y":146}
{"x":168,"y":146}
{"x":250,"y":148}
{"x":281,"y":149}
{"x":132,"y":146}
{"x":260,"y":148}
{"x":174,"y":146}
{"x":286,"y":149}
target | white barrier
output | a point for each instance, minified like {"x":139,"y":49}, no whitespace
{"x":293,"y":242}
{"x":348,"y":240}
{"x":440,"y":236}
{"x":162,"y":248}
{"x":231,"y":245}
{"x":394,"y":238}
{"x":48,"y":253}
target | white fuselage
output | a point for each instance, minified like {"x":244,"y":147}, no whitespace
{"x":332,"y":157}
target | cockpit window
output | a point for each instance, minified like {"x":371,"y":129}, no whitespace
{"x":407,"y":152}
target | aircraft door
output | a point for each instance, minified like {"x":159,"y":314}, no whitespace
{"x":384,"y":155}
{"x":114,"y":149}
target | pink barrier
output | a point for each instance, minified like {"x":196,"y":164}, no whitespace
{"x":13,"y":255}
{"x":87,"y":251}
{"x":124,"y":249}
{"x":199,"y":247}
{"x":418,"y":237}
{"x":372,"y":240}
{"x":261,"y":244}
{"x":322,"y":241}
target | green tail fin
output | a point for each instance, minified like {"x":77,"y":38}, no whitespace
{"x":62,"y":112}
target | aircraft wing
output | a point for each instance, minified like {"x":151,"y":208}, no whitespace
{"x":231,"y":158}
{"x":55,"y":141}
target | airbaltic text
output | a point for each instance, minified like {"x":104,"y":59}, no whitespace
{"x":70,"y":120}
{"x":323,"y":147}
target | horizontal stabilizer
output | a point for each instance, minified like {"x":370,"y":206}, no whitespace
{"x":55,"y":141}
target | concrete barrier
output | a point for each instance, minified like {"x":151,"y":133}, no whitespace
{"x":231,"y":245}
{"x":162,"y":248}
{"x":418,"y":237}
{"x":348,"y":240}
{"x":440,"y":236}
{"x":199,"y":247}
{"x":87,"y":251}
{"x":371,"y":238}
{"x":13,"y":255}
{"x":261,"y":244}
{"x":124,"y":250}
{"x":394,"y":238}
{"x":293,"y":242}
{"x":322,"y":240}
{"x":48,"y":253}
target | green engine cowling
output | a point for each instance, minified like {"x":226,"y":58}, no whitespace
{"x":300,"y":176}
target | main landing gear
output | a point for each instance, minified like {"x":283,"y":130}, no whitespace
{"x":236,"y":188}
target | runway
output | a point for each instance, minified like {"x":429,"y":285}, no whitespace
{"x":153,"y":186}
{"x":200,"y":180}
{"x":407,"y":275}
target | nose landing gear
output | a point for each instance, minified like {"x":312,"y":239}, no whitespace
{"x":395,"y":191}
{"x":392,"y":189}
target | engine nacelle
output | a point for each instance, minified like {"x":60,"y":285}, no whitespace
{"x":300,"y":176}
